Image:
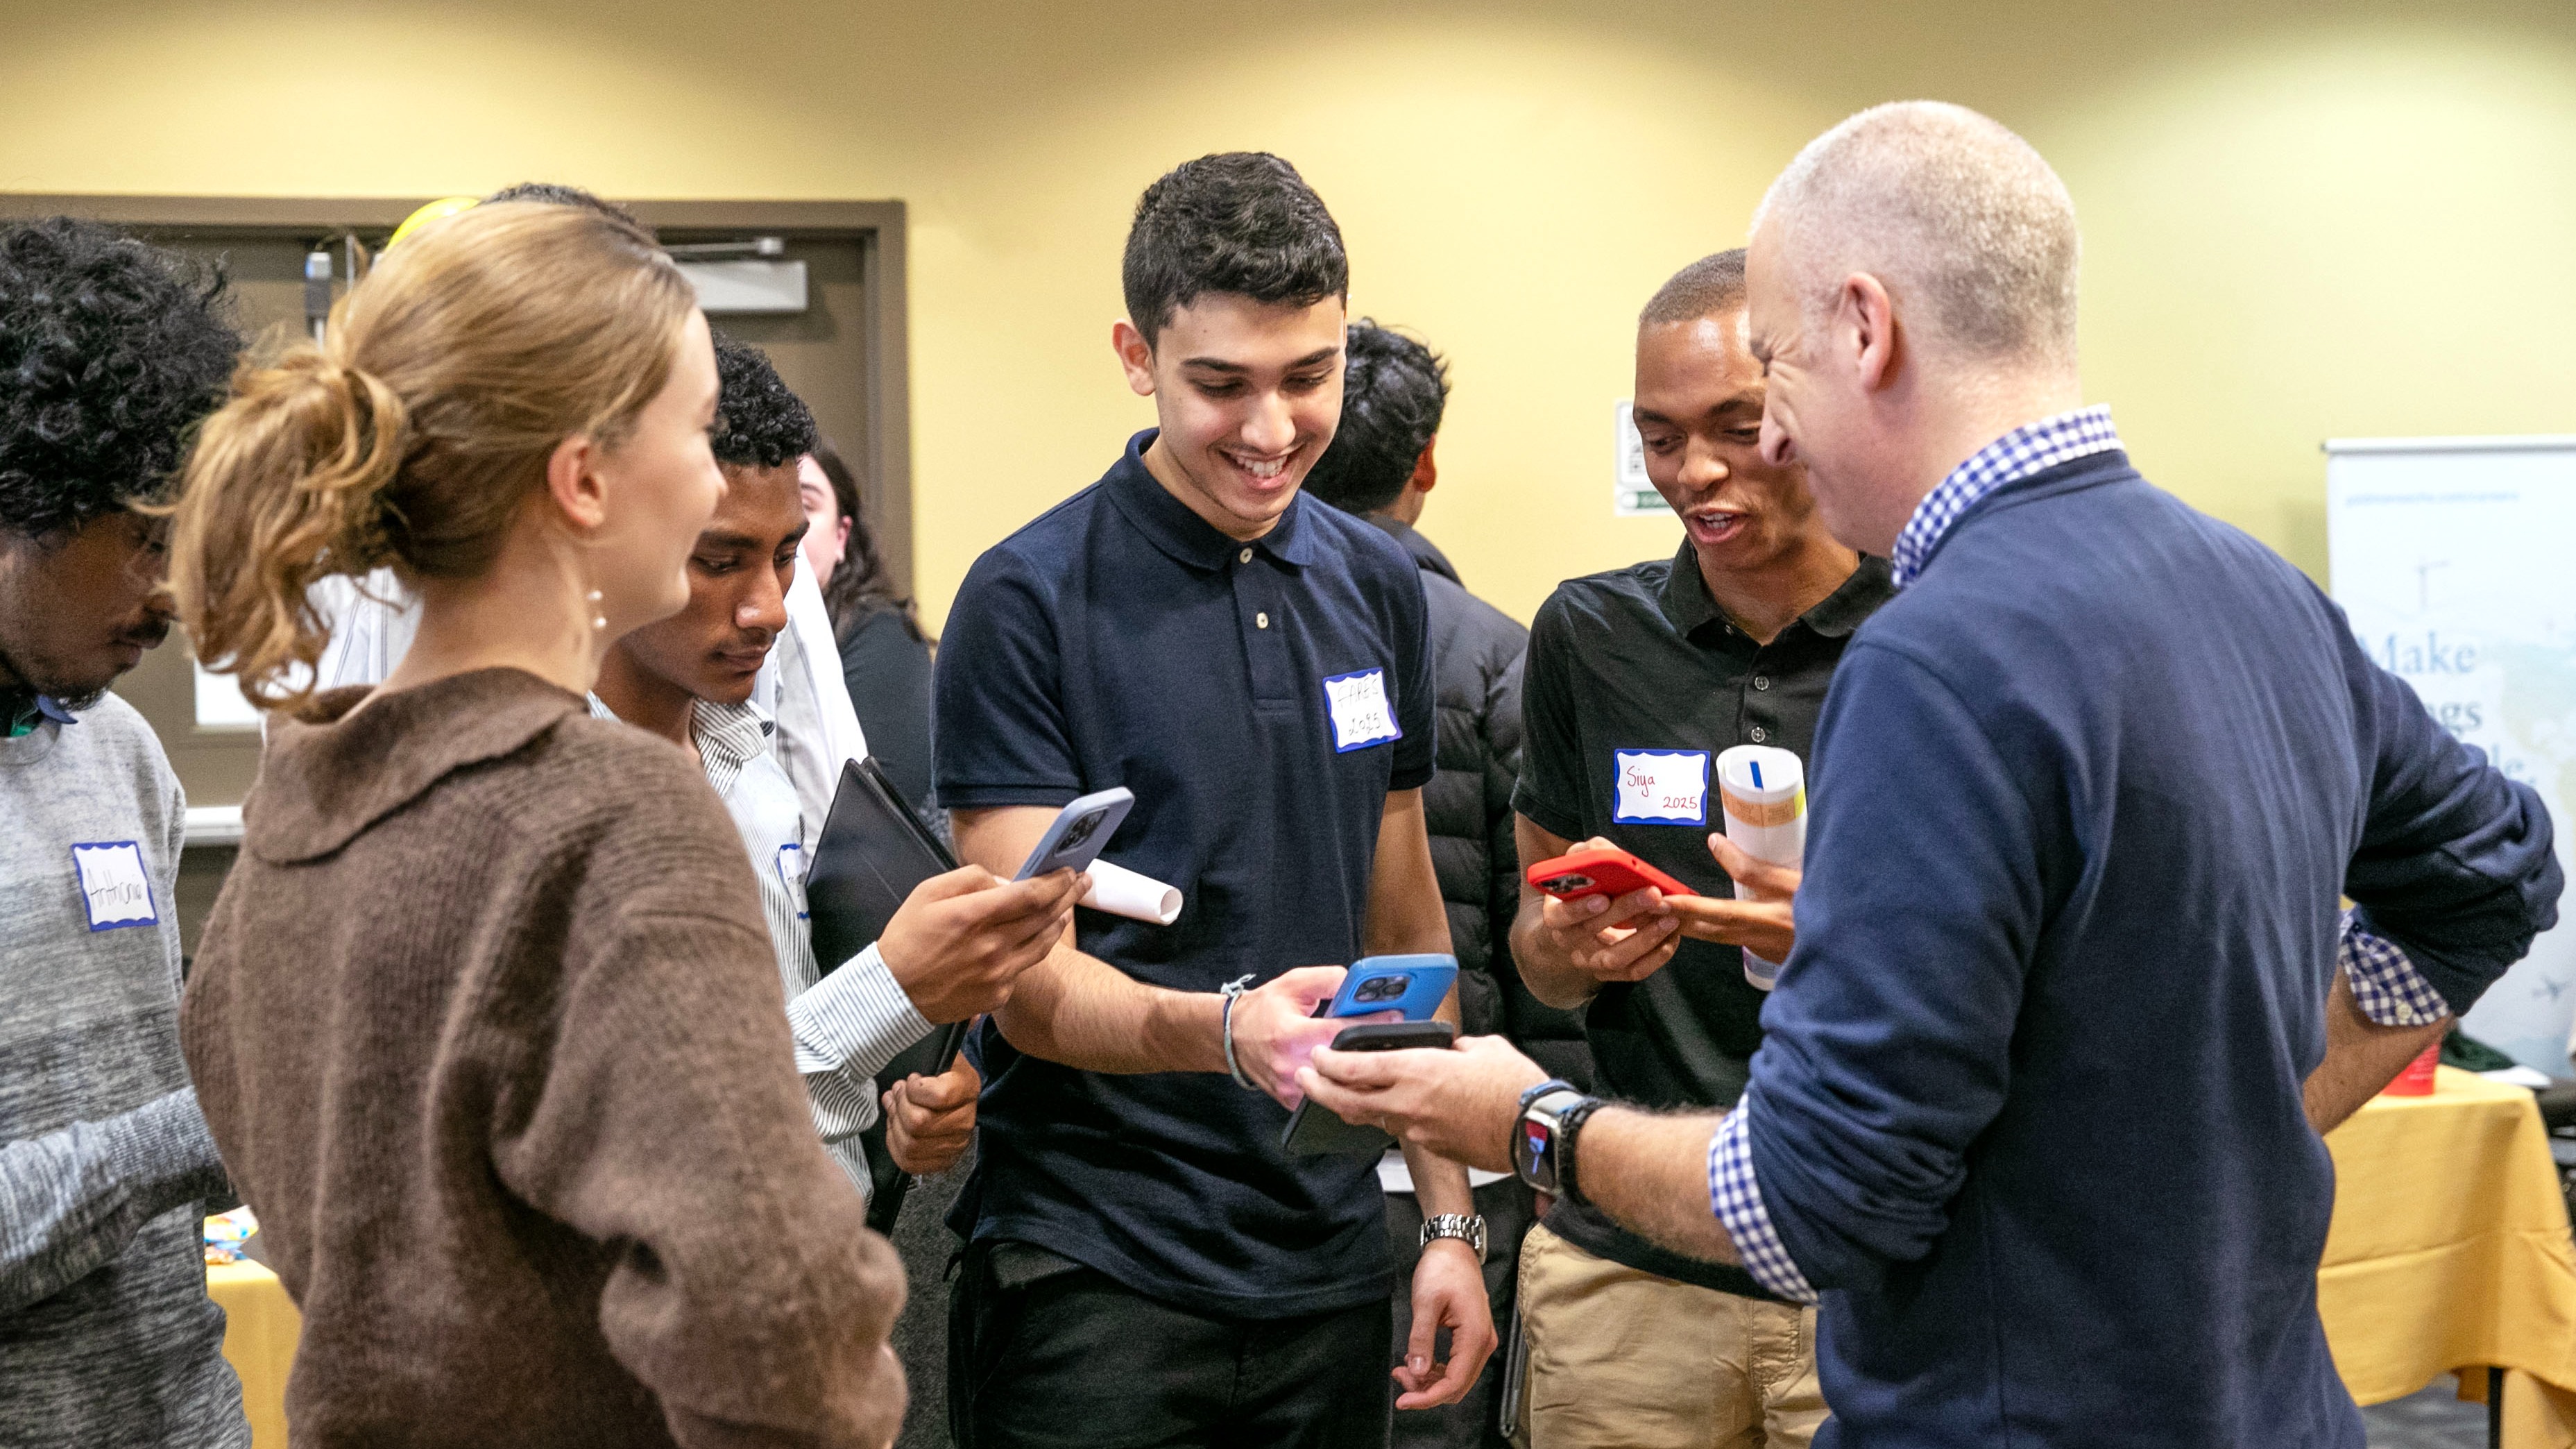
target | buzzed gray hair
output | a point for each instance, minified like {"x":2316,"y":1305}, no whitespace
{"x":1949,"y":210}
{"x":1706,"y":287}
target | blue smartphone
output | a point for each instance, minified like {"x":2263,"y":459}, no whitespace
{"x":1079,"y":833}
{"x":1414,"y":985}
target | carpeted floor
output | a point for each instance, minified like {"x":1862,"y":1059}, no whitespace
{"x":2432,"y":1419}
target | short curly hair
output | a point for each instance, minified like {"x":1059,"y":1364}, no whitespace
{"x":759,"y":423}
{"x":1394,"y":390}
{"x":1241,"y":223}
{"x":111,"y":351}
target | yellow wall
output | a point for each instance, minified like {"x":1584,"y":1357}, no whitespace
{"x":2301,"y":221}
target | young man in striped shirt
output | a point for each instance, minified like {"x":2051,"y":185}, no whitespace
{"x":957,"y":944}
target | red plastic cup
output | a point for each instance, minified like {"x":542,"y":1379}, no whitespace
{"x":2417,"y":1079}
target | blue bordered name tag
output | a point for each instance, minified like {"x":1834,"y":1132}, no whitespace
{"x":115,"y":887}
{"x":1362,"y":715}
{"x":1660,"y":787}
{"x":791,"y":874}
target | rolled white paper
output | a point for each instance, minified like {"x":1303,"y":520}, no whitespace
{"x":1122,"y":892}
{"x":1764,"y":793}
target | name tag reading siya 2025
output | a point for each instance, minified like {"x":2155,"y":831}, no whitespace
{"x":1661,"y":787}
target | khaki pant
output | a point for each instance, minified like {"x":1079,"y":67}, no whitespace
{"x":1620,"y":1359}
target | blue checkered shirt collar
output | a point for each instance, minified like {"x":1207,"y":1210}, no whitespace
{"x":2031,"y":448}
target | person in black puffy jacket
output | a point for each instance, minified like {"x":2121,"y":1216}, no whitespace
{"x":1380,"y":467}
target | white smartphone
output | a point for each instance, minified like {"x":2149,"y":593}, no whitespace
{"x":1079,"y":833}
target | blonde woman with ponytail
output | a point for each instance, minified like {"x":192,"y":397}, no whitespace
{"x":485,"y":1020}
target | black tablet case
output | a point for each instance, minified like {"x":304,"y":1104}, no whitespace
{"x":872,"y":853}
{"x":874,"y":850}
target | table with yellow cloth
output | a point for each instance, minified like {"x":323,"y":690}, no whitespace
{"x":260,"y":1329}
{"x":2449,"y":1251}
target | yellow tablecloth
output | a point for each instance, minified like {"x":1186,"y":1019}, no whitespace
{"x":2449,"y":1251}
{"x":260,"y":1329}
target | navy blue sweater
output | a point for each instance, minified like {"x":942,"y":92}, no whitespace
{"x":2029,"y":1104}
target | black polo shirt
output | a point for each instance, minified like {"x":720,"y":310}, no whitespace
{"x":1261,"y":700}
{"x":1636,"y":675}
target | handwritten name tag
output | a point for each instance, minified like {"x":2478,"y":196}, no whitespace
{"x":1661,"y":787}
{"x":115,"y":888}
{"x":791,"y":874}
{"x":1361,"y":714}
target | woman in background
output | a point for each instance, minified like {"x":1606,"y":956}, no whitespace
{"x":884,"y":655}
{"x":486,"y":1022}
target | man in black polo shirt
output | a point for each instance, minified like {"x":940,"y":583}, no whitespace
{"x":1146,"y":1266}
{"x":1731,"y":641}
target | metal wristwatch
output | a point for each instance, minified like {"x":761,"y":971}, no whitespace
{"x":1468,"y":1230}
{"x":1538,"y":1139}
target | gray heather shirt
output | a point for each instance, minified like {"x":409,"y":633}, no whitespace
{"x":106,"y":1334}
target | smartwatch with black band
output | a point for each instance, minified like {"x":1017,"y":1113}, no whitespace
{"x":1540,"y":1139}
{"x":1569,"y":1129}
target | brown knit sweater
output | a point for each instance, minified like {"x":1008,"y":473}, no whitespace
{"x":490,"y":1034}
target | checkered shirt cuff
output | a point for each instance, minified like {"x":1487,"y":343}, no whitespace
{"x":1737,"y":1200}
{"x":2385,"y":984}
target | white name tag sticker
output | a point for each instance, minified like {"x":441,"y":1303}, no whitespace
{"x":1661,"y":787}
{"x":115,"y":887}
{"x":791,"y":874}
{"x":1361,"y":714}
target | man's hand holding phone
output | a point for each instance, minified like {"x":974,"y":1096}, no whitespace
{"x":1626,"y":937}
{"x":959,"y":942}
{"x":1276,"y":1030}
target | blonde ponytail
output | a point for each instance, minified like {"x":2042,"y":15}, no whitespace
{"x":286,"y":487}
{"x":452,"y":373}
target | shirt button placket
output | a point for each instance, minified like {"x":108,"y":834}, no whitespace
{"x":1254,"y":591}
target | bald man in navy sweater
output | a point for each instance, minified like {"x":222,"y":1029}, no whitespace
{"x":2037,"y":1113}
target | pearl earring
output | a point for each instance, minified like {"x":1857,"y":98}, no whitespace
{"x":598,"y":620}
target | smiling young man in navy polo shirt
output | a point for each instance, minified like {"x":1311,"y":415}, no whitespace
{"x":1148,"y":1267}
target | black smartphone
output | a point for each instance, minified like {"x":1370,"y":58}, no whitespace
{"x":1313,"y":1129}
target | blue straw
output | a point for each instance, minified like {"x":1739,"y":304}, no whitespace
{"x":1756,"y":767}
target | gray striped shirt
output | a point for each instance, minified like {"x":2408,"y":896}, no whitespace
{"x":849,"y":1024}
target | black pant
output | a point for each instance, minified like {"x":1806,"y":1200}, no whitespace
{"x":1046,"y":1354}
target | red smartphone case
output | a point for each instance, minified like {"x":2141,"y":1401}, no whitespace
{"x":1613,"y":872}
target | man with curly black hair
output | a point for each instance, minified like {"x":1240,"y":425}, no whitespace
{"x":110,"y":351}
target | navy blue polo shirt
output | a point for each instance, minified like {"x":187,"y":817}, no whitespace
{"x":1260,"y":699}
